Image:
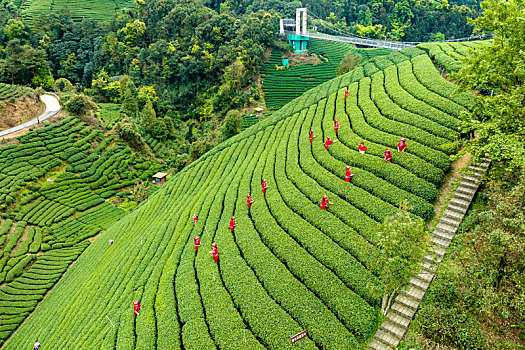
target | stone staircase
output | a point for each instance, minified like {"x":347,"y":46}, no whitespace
{"x":407,"y":302}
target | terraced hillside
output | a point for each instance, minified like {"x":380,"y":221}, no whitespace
{"x":11,"y":93}
{"x":288,"y":266}
{"x":448,"y":54}
{"x":102,"y":10}
{"x":53,"y":191}
{"x":283,"y":85}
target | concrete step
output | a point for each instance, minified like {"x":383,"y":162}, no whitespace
{"x":453,"y":214}
{"x":432,"y":259}
{"x":440,"y":242}
{"x":425,"y":276}
{"x":418,"y":283}
{"x":439,"y":251}
{"x":396,"y":318}
{"x":414,"y":293}
{"x":466,"y":191}
{"x":456,"y":208}
{"x":387,"y":338}
{"x":463,"y":197}
{"x":468,"y":185}
{"x":403,"y":311}
{"x":375,"y":345}
{"x":460,"y":202}
{"x":476,"y":170}
{"x":407,"y":302}
{"x":452,"y":223}
{"x":471,"y":178}
{"x":428,"y":266}
{"x":485,"y":165}
{"x":393,"y":329}
{"x":443,"y":234}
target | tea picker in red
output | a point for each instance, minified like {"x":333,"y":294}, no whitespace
{"x":346,"y":94}
{"x":362,"y":148}
{"x":232,"y":223}
{"x":197,"y":242}
{"x":324,"y":202}
{"x":328,"y":142}
{"x":215,"y":252}
{"x":336,"y":126}
{"x":249,"y":201}
{"x":388,"y":155}
{"x":311,"y":136}
{"x":401,"y":145}
{"x":195,"y":218}
{"x":136,"y":307}
{"x":348,"y":174}
{"x":264,"y":186}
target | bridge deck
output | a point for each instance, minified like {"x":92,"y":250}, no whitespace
{"x":394,"y":45}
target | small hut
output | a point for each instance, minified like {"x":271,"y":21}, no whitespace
{"x":159,"y":178}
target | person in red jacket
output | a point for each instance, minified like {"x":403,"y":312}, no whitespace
{"x":215,"y":252}
{"x":388,"y":155}
{"x":197,"y":242}
{"x":136,"y":307}
{"x":336,"y":126}
{"x":264,"y":186}
{"x":232,"y":223}
{"x":324,"y":202}
{"x":249,"y":201}
{"x":346,"y":94}
{"x":328,"y":142}
{"x":311,"y":136}
{"x":195,"y":218}
{"x":362,"y":148}
{"x":348,"y":174}
{"x":401,"y":145}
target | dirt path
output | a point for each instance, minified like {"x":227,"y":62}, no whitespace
{"x":447,"y":189}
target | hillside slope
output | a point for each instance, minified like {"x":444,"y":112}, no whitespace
{"x":102,"y":10}
{"x":288,"y":265}
{"x":283,"y":85}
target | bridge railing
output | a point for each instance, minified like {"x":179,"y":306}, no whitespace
{"x":394,"y":45}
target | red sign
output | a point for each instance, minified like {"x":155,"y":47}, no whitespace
{"x":298,"y":336}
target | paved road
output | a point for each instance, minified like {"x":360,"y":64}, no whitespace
{"x":52,"y":108}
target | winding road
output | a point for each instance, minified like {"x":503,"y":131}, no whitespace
{"x":52,"y":108}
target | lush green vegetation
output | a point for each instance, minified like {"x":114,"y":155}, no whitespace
{"x":99,"y":10}
{"x":449,"y":55}
{"x":281,"y":85}
{"x":477,"y":300}
{"x":53,"y":191}
{"x":109,"y":114}
{"x":407,"y":20}
{"x":288,"y":265}
{"x":11,"y":93}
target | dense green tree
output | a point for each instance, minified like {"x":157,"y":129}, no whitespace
{"x":231,"y":125}
{"x":14,"y":29}
{"x":129,"y":100}
{"x":349,"y":62}
{"x":498,"y":71}
{"x":404,"y":241}
{"x":148,"y":115}
{"x":25,"y":65}
{"x":78,"y":104}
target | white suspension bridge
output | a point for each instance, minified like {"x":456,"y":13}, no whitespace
{"x":298,"y":28}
